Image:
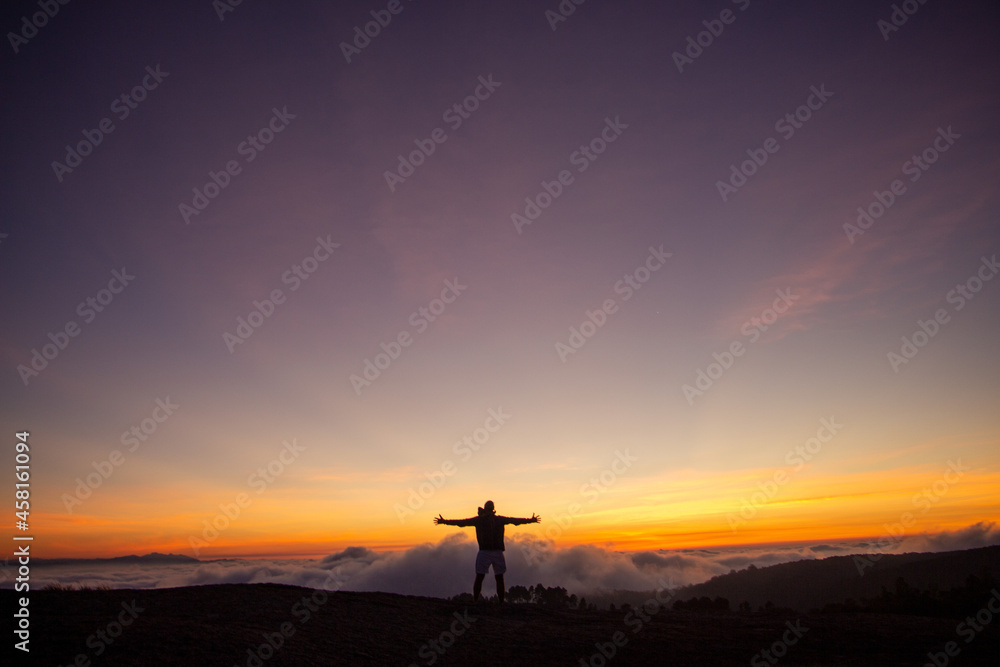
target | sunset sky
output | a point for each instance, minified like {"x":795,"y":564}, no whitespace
{"x":581,"y":298}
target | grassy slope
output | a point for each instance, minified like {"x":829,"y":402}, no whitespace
{"x":215,"y":625}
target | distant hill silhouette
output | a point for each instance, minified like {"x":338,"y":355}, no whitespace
{"x":149,"y":559}
{"x":813,"y":584}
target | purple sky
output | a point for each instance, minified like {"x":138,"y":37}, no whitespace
{"x":278,"y":72}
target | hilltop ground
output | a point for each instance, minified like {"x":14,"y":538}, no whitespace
{"x":230,"y":625}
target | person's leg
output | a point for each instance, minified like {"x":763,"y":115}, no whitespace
{"x":482,"y":567}
{"x":499,"y":567}
{"x":477,"y":587}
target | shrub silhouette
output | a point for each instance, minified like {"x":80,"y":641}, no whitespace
{"x":905,"y":599}
{"x":555,"y":597}
{"x":703,"y":603}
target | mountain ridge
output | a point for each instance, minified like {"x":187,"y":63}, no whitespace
{"x":835,"y":579}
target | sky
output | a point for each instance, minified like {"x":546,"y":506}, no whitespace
{"x":693,"y":277}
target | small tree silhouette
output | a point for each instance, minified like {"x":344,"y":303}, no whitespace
{"x":518,"y":594}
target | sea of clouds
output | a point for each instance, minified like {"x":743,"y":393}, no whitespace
{"x":445,"y":569}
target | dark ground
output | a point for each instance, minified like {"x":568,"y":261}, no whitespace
{"x":216,"y":625}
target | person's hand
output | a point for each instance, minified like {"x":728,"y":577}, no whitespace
{"x":438,"y":519}
{"x":535,"y":518}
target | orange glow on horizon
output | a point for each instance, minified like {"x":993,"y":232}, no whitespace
{"x":679,"y":509}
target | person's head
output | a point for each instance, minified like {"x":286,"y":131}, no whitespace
{"x":488,"y":507}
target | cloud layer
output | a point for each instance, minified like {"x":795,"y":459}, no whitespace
{"x":446,"y":568}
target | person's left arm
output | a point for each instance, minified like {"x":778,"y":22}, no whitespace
{"x":514,"y":521}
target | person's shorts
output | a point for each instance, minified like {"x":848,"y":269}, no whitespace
{"x":486,"y":558}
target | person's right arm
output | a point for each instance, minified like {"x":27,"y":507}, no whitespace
{"x":461,"y":523}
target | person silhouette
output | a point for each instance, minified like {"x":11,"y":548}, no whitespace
{"x":489,"y":533}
